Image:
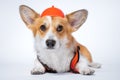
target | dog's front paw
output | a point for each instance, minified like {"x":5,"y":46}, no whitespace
{"x":37,"y":71}
{"x":87,"y":71}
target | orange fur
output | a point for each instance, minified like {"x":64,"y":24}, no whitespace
{"x":84,"y":51}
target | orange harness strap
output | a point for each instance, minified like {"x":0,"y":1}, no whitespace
{"x":75,"y":60}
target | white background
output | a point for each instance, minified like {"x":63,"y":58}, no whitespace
{"x":100,"y":34}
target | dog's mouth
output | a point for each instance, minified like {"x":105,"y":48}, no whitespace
{"x":50,"y":48}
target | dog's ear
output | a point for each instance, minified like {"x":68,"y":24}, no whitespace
{"x":77,"y":18}
{"x":27,"y":14}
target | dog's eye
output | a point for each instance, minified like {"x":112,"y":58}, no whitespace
{"x":43,"y":27}
{"x":59,"y":28}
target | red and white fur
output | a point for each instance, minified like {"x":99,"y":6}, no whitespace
{"x":58,"y":29}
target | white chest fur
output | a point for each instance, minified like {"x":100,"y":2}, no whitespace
{"x":58,"y":60}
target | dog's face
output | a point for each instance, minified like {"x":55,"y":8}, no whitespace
{"x":52,"y":32}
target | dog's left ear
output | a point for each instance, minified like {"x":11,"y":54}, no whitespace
{"x":77,"y":18}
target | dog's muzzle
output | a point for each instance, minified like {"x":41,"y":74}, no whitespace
{"x":50,"y":43}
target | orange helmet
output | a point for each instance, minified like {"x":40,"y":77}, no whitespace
{"x":52,"y":11}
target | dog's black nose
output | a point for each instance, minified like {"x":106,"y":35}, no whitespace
{"x":50,"y":43}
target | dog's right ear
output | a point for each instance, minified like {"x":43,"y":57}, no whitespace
{"x":27,"y":14}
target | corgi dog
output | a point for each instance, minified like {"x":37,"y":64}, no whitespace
{"x":56,"y":49}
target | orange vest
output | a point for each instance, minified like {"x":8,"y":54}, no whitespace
{"x":75,"y":60}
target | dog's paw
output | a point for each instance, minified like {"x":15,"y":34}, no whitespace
{"x":37,"y":71}
{"x":94,"y":65}
{"x":87,"y":71}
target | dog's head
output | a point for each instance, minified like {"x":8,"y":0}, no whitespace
{"x":52,"y":32}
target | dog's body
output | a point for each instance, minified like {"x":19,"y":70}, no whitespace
{"x":54,"y":44}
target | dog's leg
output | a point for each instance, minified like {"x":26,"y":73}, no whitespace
{"x":85,"y":52}
{"x":38,"y":68}
{"x":83,"y":68}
